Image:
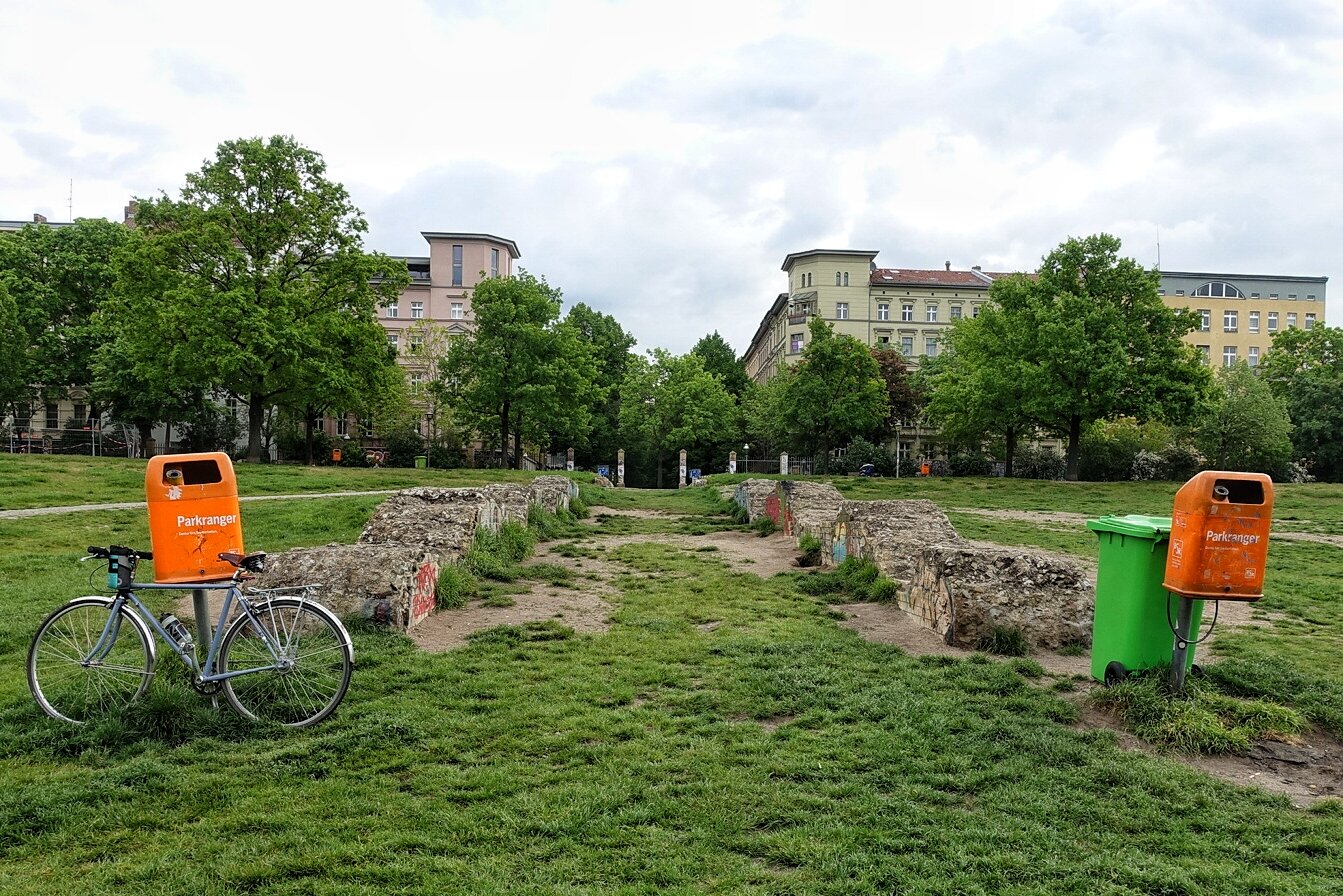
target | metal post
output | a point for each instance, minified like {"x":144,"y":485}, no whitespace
{"x":1180,"y":655}
{"x":200,"y":607}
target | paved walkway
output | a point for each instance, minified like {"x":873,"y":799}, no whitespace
{"x":135,"y":505}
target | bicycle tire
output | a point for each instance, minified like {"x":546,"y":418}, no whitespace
{"x":318,"y":660}
{"x":68,"y":688}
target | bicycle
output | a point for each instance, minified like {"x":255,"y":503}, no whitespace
{"x":283,"y":658}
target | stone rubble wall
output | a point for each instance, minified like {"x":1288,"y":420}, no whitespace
{"x":961,"y":591}
{"x":752,"y":495}
{"x":445,"y":519}
{"x":889,"y":534}
{"x":552,"y":493}
{"x":393,"y":584}
{"x":805,"y":508}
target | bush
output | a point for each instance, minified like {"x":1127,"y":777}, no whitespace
{"x":764,"y":526}
{"x":861,"y":452}
{"x":810,"y":546}
{"x":1038,"y":463}
{"x":909,"y":467}
{"x":403,"y":446}
{"x":970,"y":464}
{"x":353,"y":454}
{"x":456,"y":586}
{"x":446,"y":457}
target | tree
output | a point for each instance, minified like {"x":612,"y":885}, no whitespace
{"x":903,"y":396}
{"x":1101,"y":343}
{"x":1246,"y":427}
{"x":983,"y":383}
{"x":833,"y":394}
{"x":13,"y":353}
{"x":670,"y":402}
{"x":721,"y":361}
{"x":609,"y":345}
{"x":58,"y":278}
{"x":522,"y":368}
{"x":1304,"y":368}
{"x":262,"y":286}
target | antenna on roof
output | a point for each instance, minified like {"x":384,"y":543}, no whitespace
{"x":70,"y":204}
{"x":1158,"y":248}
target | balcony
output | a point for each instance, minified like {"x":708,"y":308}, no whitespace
{"x":798,"y":317}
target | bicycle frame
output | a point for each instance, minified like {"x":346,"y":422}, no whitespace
{"x":204,"y":670}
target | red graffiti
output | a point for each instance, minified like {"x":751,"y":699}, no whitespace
{"x":423,"y":600}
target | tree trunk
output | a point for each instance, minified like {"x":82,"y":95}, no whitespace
{"x":146,"y":431}
{"x":1074,"y":448}
{"x":517,"y":433}
{"x":503,"y":435}
{"x":1011,"y":435}
{"x":307,"y":435}
{"x":256,"y":413}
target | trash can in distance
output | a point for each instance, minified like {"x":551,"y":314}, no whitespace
{"x":421,"y":461}
{"x":1219,"y":536}
{"x":193,"y":516}
{"x":1134,"y":613}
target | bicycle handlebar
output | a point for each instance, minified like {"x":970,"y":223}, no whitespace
{"x":119,"y":551}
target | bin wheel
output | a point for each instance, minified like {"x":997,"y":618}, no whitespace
{"x":1196,"y":671}
{"x":1115,"y":673}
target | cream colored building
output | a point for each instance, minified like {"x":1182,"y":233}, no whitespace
{"x":1241,"y":313}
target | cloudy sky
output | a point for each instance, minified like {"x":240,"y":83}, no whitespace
{"x":659,"y":160}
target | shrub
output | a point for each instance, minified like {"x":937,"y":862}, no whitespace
{"x":970,"y":464}
{"x":883,"y":590}
{"x":1038,"y":463}
{"x":764,"y":526}
{"x":403,"y":445}
{"x":1147,"y":466}
{"x":1004,"y":641}
{"x":446,"y":457}
{"x":456,"y":586}
{"x":810,"y":546}
{"x":909,"y":467}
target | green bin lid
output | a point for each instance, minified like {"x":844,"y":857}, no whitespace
{"x":1153,"y":527}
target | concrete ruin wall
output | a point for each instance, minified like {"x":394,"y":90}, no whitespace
{"x":888,"y":534}
{"x":445,"y":519}
{"x":391,"y":584}
{"x":804,"y":508}
{"x":961,"y":591}
{"x":552,"y":493}
{"x":752,"y":494}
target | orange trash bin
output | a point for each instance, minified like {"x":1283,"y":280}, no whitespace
{"x":193,"y":516}
{"x":1219,"y":536}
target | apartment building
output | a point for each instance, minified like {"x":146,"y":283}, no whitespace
{"x":909,"y":310}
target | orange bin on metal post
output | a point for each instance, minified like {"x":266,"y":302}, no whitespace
{"x":193,"y":516}
{"x":1218,"y":546}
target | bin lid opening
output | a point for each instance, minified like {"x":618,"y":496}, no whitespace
{"x":1239,"y":491}
{"x":192,"y":472}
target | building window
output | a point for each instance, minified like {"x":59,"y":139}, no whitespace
{"x":846,"y":278}
{"x":841,"y":311}
{"x":884,"y":340}
{"x":1228,"y":355}
{"x":494,"y":262}
{"x":81,"y":415}
{"x":416,"y":383}
{"x":457,"y":312}
{"x":393,"y":341}
{"x":1291,"y":295}
{"x":456,"y":265}
{"x":1228,"y":321}
{"x":1204,"y":320}
{"x":883,"y":311}
{"x":1291,"y":319}
{"x":1310,"y":298}
{"x":794,"y":343}
{"x":416,"y":341}
{"x":907,"y":312}
{"x":955,"y":312}
{"x":1219,"y":289}
{"x":930,"y":346}
{"x":53,"y":416}
{"x":837,"y":278}
{"x":1273,"y":321}
{"x":342,"y":425}
{"x":1254,"y":321}
{"x":932,"y":314}
{"x":907,"y":346}
{"x":393,"y":309}
{"x":1310,"y":320}
{"x":974,"y":312}
{"x":1273,"y":295}
{"x":1253,"y":359}
{"x":417,"y":310}
{"x":1205,"y":351}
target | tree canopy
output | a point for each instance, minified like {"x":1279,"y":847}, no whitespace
{"x":609,"y":346}
{"x":523,"y":369}
{"x":1246,"y":426}
{"x":670,"y":402}
{"x":255,"y":281}
{"x":1304,"y":368}
{"x":720,"y":360}
{"x":1099,"y":342}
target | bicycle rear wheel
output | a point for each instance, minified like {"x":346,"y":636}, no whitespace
{"x":72,"y":685}
{"x":305,"y":678}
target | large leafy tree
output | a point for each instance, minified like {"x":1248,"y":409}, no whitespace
{"x":720,"y":360}
{"x":523,"y":370}
{"x":1102,"y":343}
{"x":983,"y":384}
{"x":1304,"y":368}
{"x":1246,"y":426}
{"x":904,"y":397}
{"x":670,"y":402}
{"x":13,"y":353}
{"x":58,"y":277}
{"x":258,"y":279}
{"x":609,"y":346}
{"x":835,"y":393}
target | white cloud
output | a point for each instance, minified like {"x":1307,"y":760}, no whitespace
{"x":659,"y":161}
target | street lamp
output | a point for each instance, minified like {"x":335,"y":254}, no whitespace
{"x":747,"y":448}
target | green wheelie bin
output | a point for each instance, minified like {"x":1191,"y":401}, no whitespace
{"x":1135,"y":615}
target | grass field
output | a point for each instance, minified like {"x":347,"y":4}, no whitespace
{"x":725,"y":736}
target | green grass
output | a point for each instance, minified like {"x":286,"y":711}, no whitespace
{"x":773,"y":752}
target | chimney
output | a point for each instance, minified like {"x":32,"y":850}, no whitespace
{"x":39,"y":219}
{"x":948,"y":265}
{"x":976,"y":268}
{"x":128,"y":217}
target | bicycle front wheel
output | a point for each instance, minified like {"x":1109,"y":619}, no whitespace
{"x":72,"y":677}
{"x":297,"y":659}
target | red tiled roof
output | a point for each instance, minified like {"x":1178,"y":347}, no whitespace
{"x":909,"y":277}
